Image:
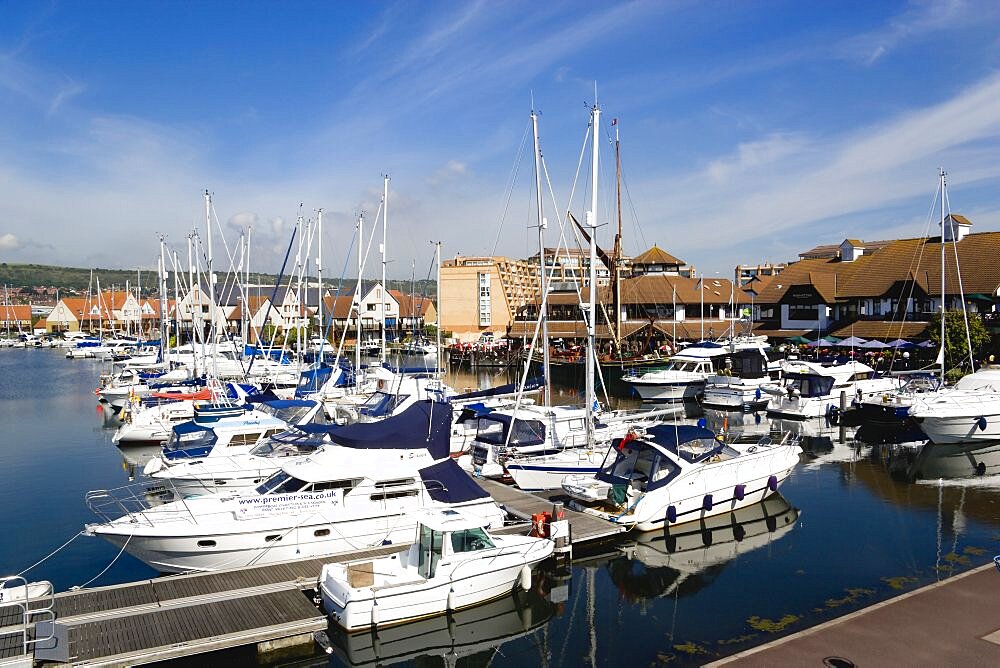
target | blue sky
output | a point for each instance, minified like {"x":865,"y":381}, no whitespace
{"x":750,"y":130}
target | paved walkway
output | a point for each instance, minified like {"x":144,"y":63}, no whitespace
{"x":955,"y":622}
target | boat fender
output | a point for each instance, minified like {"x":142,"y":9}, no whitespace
{"x":671,"y":514}
{"x":740,"y":492}
{"x":707,"y":502}
{"x":772,"y":483}
{"x":981,"y":469}
{"x":374,"y":612}
{"x":381,"y":384}
{"x":981,"y":423}
{"x":702,"y":423}
{"x":524,"y":578}
{"x":451,"y":599}
{"x":756,"y":394}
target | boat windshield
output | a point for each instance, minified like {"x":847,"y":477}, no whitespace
{"x":382,"y":404}
{"x":280,"y":483}
{"x":470,"y":540}
{"x":430,"y":551}
{"x":289,"y":414}
{"x":640,"y":466}
{"x":809,"y":385}
{"x":493,"y":430}
{"x":289,"y":443}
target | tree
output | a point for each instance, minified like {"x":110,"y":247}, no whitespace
{"x":956,"y":350}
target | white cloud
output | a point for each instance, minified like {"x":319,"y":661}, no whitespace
{"x":9,"y":241}
{"x":921,"y":19}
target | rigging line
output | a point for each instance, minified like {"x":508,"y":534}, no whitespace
{"x":631,"y":206}
{"x":919,"y":262}
{"x":274,"y":292}
{"x":112,"y":563}
{"x":509,"y":192}
{"x":51,"y":554}
{"x":958,"y":273}
{"x":340,"y":284}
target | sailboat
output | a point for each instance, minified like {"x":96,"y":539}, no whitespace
{"x":546,"y":467}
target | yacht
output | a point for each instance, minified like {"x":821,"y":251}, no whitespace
{"x":342,"y":498}
{"x":211,"y":437}
{"x":812,"y":389}
{"x":684,"y":376}
{"x":967,"y":412}
{"x":741,"y":384}
{"x":240,"y":471}
{"x":672,"y":474}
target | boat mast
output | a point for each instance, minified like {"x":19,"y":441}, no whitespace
{"x":357,"y":297}
{"x":385,"y":226}
{"x":617,"y":256}
{"x":211,"y":275}
{"x":164,"y":341}
{"x":542,"y":224}
{"x":319,"y":274}
{"x":177,"y":300}
{"x":943,"y":260}
{"x":592,"y":301}
{"x":437,"y":255}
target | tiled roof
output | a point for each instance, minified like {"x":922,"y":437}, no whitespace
{"x":824,"y":274}
{"x":340,"y":306}
{"x":15,"y":313}
{"x":921,"y":259}
{"x":656,"y":255}
{"x":658,"y":289}
{"x":411,"y":305}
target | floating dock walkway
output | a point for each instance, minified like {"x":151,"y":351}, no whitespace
{"x":181,"y":615}
{"x":954,"y":622}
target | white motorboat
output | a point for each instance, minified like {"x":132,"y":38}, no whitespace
{"x":340,"y":499}
{"x":892,"y":409}
{"x":542,"y":430}
{"x":741,"y":385}
{"x":814,"y":390}
{"x":684,"y":376}
{"x":453,"y":563}
{"x":241,"y":470}
{"x":680,"y":473}
{"x":222,"y":438}
{"x":968,"y":412}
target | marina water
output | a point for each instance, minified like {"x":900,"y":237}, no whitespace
{"x":852,"y":527}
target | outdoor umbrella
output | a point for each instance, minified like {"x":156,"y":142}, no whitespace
{"x":831,"y":339}
{"x":926,"y":344}
{"x":851,"y":342}
{"x":875,"y":344}
{"x":798,"y":339}
{"x":899,"y":343}
{"x":822,"y":343}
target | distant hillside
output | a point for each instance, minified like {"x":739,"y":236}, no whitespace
{"x":77,"y":279}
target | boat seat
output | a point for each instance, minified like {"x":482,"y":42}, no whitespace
{"x":361,"y":575}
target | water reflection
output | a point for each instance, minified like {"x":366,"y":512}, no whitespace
{"x":689,"y":557}
{"x":475,"y":635}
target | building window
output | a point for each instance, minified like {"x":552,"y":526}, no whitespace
{"x":485,"y":305}
{"x":803,"y":312}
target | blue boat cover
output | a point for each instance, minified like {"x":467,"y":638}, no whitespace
{"x":425,"y":424}
{"x":312,"y":380}
{"x":189,"y":440}
{"x":530,"y":385}
{"x":288,"y":403}
{"x":446,"y":482}
{"x":668,"y":435}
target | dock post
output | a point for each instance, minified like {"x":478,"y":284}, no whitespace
{"x":840,"y":421}
{"x":561,"y":533}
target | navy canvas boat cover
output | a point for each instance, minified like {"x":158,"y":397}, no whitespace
{"x":530,"y":385}
{"x":446,"y":482}
{"x":668,"y":435}
{"x":425,"y":424}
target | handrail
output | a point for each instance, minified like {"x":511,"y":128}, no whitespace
{"x":47,"y":598}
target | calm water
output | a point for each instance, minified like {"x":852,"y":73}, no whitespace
{"x":851,"y":527}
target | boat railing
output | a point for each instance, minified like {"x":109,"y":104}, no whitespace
{"x":134,"y":500}
{"x":34,"y":601}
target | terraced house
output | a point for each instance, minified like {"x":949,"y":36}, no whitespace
{"x":883,"y":289}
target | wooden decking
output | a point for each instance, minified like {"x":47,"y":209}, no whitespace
{"x":585,"y":528}
{"x":180,"y":615}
